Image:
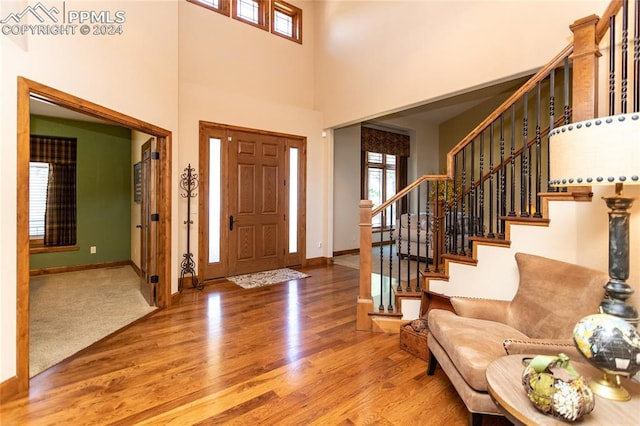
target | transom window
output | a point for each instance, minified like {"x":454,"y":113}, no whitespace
{"x":286,"y":21}
{"x":220,"y":6}
{"x":253,"y":12}
{"x":276,"y":16}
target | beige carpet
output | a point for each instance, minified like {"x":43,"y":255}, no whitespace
{"x":72,"y":310}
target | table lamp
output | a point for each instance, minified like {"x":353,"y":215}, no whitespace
{"x":604,"y":151}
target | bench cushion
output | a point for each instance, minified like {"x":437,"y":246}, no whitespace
{"x":470,"y":343}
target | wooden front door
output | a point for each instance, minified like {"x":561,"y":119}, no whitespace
{"x":251,"y":212}
{"x":148,"y":227}
{"x":256,"y":202}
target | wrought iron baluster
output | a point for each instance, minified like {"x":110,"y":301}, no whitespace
{"x":552,"y":112}
{"x":408,"y":287}
{"x":612,"y":65}
{"x":636,"y":58}
{"x":429,"y":231}
{"x":512,"y":200}
{"x":458,"y":192}
{"x":454,"y":220}
{"x":524,"y":161}
{"x":436,"y":227}
{"x":503,"y":183}
{"x":538,"y":213}
{"x":480,"y":214}
{"x":567,"y":107}
{"x":381,"y":306}
{"x":419,"y":228}
{"x":472,"y":201}
{"x":491,"y":173}
{"x":399,"y":230}
{"x":399,"y":251}
{"x":624,"y":77}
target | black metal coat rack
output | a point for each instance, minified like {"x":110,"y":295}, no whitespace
{"x":189,"y":184}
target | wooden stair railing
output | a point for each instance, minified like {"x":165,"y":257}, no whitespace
{"x":468,"y":202}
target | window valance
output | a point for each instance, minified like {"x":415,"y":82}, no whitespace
{"x":375,"y":140}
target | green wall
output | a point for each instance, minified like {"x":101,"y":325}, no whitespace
{"x":103,"y":192}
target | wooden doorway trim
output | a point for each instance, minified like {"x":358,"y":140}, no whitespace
{"x":26,"y":89}
{"x":223,"y":132}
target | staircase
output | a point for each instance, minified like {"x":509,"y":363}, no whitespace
{"x":494,"y":199}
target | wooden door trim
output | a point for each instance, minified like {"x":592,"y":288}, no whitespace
{"x":27,"y":88}
{"x":300,"y":142}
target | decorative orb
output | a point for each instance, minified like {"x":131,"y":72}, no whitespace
{"x":609,"y":343}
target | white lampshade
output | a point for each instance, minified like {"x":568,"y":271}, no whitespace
{"x":601,"y":151}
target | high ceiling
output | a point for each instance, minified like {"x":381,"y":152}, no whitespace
{"x":431,"y":113}
{"x":444,"y":109}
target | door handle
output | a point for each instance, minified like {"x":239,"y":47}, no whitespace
{"x":231,"y":223}
{"x":139,"y":226}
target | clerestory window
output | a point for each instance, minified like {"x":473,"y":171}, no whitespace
{"x":220,"y":6}
{"x":286,"y":21}
{"x":252,"y":12}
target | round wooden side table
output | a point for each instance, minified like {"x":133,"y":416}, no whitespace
{"x":504,"y":377}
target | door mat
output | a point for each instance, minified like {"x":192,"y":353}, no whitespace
{"x":260,"y":279}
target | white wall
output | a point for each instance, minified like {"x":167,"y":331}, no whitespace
{"x":233,"y":73}
{"x":346,"y":188}
{"x":377,"y":57}
{"x":135,"y":73}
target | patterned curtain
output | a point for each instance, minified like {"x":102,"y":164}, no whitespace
{"x":60,"y":215}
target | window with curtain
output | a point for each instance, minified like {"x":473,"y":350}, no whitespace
{"x":384,"y":169}
{"x":57,"y":225}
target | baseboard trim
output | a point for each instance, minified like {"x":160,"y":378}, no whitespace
{"x":74,"y":268}
{"x":175,"y":298}
{"x":135,"y":268}
{"x":345,"y":252}
{"x":9,"y":388}
{"x":317,"y":261}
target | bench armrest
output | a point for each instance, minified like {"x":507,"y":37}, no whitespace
{"x":485,"y":309}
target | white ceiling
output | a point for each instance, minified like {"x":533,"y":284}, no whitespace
{"x":47,"y":109}
{"x":445,"y":109}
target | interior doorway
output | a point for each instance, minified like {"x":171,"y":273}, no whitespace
{"x":252,"y":205}
{"x":26,"y":90}
{"x":148,"y":229}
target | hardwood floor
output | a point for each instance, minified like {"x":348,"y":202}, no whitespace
{"x":282,"y":354}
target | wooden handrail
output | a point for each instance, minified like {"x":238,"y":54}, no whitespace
{"x":517,"y":95}
{"x":406,"y":190}
{"x":603,"y":24}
